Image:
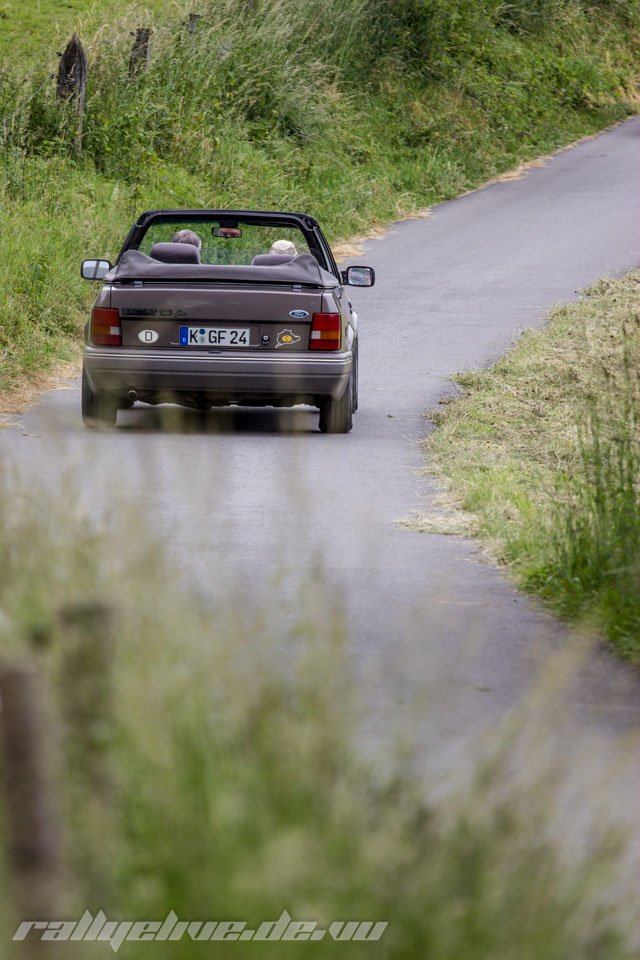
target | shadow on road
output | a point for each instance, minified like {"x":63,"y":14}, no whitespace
{"x":223,"y":420}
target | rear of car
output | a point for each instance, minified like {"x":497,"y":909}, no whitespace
{"x":276,"y":330}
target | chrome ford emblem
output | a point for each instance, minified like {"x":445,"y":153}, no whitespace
{"x":148,"y":336}
{"x":298,"y":314}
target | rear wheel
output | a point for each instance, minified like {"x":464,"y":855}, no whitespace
{"x":336,"y":416}
{"x":98,"y":409}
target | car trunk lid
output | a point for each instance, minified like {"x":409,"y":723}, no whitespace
{"x":215,"y":316}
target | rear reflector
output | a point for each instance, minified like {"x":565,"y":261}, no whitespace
{"x":105,"y":328}
{"x":325,"y":331}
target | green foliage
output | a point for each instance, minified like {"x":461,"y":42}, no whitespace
{"x":594,"y":528}
{"x":298,"y":73}
{"x":39,"y":28}
{"x":544,"y":449}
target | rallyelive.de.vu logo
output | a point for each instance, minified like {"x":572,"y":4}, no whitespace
{"x":115,"y":932}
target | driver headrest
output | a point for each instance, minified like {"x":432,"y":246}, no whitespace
{"x":175,"y":253}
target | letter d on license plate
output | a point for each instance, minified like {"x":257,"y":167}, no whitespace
{"x":215,"y":336}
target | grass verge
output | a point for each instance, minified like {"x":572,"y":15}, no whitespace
{"x":543,"y":453}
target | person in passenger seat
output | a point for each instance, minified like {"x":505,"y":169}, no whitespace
{"x":284,"y":248}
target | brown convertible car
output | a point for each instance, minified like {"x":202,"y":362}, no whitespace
{"x":218,"y":307}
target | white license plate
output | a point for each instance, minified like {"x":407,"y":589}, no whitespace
{"x":215,"y":336}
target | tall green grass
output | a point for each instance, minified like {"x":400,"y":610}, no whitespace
{"x":594,"y":533}
{"x":34,"y":31}
{"x":359,"y":111}
{"x":303,"y":73}
{"x":544,"y":450}
{"x":207,"y":761}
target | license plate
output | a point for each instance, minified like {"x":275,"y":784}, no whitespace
{"x":215,"y":336}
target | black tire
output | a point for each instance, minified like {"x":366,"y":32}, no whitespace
{"x":336,"y":416}
{"x":98,"y":409}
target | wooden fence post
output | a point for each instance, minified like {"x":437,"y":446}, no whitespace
{"x":87,"y":709}
{"x":192,"y":23}
{"x":139,"y":59}
{"x":72,"y":81}
{"x":33,"y":843}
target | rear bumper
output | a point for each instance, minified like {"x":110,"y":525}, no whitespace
{"x":223,"y":376}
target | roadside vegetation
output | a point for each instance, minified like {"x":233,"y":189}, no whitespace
{"x":543,"y":451}
{"x":28,"y":29}
{"x":197,"y":765}
{"x":358,"y":111}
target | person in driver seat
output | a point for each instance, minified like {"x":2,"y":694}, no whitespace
{"x":187,"y":236}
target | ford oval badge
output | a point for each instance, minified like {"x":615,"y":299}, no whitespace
{"x":298,"y":314}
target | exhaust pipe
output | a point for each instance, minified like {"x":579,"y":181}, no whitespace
{"x":132,"y":396}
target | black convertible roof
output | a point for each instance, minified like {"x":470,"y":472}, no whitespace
{"x":303,"y":269}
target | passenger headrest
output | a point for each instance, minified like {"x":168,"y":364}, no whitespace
{"x":271,"y":259}
{"x":175,"y":253}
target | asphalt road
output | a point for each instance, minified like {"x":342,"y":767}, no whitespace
{"x":264,"y":500}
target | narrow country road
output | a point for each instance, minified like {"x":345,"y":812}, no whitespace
{"x":262,"y":499}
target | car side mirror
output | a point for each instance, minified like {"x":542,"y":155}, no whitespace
{"x":94,"y":269}
{"x":359,"y":276}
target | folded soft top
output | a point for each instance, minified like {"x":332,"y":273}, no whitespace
{"x":303,"y":269}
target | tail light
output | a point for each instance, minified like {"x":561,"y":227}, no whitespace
{"x":326,"y":330}
{"x":105,"y":328}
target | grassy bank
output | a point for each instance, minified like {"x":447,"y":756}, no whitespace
{"x":358,"y":111}
{"x":543,"y":451}
{"x":36,"y":30}
{"x":204,"y":761}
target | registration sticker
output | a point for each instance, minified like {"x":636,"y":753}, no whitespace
{"x":215,"y":336}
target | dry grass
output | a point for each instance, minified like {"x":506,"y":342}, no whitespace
{"x":354,"y":247}
{"x":541,"y":450}
{"x":520,"y":172}
{"x":29,"y":388}
{"x":535,"y":396}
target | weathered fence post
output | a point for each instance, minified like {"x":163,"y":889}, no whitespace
{"x":33,"y":841}
{"x":87,"y":707}
{"x":72,"y":81}
{"x":139,"y":59}
{"x":192,"y":23}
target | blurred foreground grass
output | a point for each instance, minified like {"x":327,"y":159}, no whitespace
{"x":205,"y":761}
